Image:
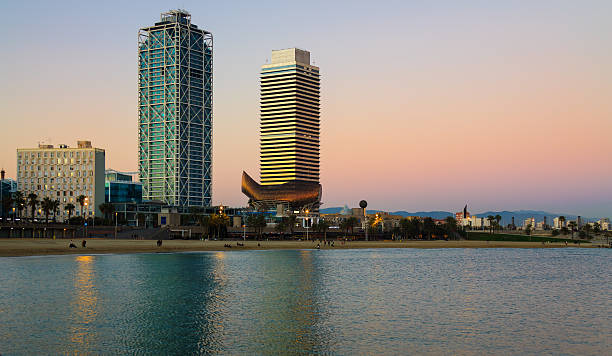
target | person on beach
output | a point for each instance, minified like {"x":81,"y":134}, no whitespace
{"x":84,"y":243}
{"x":72,"y":245}
{"x":159,"y":243}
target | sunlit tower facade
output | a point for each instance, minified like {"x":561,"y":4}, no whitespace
{"x":175,"y":111}
{"x":289,"y":110}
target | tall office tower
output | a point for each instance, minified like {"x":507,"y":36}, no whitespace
{"x":175,"y":111}
{"x":289,"y":118}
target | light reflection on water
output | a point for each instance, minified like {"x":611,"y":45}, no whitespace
{"x":497,"y":301}
{"x":84,"y":311}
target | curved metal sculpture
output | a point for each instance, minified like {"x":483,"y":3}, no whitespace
{"x":297,"y":194}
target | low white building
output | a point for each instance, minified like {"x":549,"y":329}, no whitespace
{"x":63,"y":173}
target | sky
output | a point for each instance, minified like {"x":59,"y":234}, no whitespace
{"x":425,"y":105}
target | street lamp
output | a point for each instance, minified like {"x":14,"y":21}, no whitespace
{"x":115,"y":225}
{"x":85,"y":220}
{"x":363,"y":204}
{"x":243,"y":232}
{"x":307,"y":221}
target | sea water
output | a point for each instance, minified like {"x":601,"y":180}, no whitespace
{"x":369,"y":301}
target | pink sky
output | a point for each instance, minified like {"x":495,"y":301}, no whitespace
{"x":423,"y":107}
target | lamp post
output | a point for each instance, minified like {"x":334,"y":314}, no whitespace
{"x":220,"y":219}
{"x":243,"y":232}
{"x":363,"y":204}
{"x":84,"y":219}
{"x":115,"y":225}
{"x":307,"y":223}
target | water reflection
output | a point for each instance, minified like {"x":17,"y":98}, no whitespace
{"x":309,"y":302}
{"x":84,"y":303}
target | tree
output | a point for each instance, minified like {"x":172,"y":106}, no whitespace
{"x":46,"y":205}
{"x":20,"y":202}
{"x":497,"y":220}
{"x":290,"y":223}
{"x":281,"y":226}
{"x":561,"y":221}
{"x":596,"y":228}
{"x":491,"y":218}
{"x":450,"y":224}
{"x":69,"y":208}
{"x":55,"y":204}
{"x":258,"y":222}
{"x":218,"y":222}
{"x":587,"y":228}
{"x":429,"y":226}
{"x":410,"y":227}
{"x":33,"y":203}
{"x":528,"y":229}
{"x":322,"y":226}
{"x":7,"y":203}
{"x":107,"y":210}
{"x":81,"y":200}
{"x":194,"y":214}
{"x":572,"y":225}
{"x":564,"y":230}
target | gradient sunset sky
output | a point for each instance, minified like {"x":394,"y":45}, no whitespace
{"x":425,"y":105}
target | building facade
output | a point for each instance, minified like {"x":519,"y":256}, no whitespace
{"x":290,"y":91}
{"x":63,"y":173}
{"x":120,"y":188}
{"x":7,"y":188}
{"x":289,"y":136}
{"x":175,"y":111}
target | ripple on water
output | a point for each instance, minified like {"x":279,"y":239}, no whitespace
{"x":388,"y":301}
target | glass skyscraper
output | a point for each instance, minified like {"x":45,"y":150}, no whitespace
{"x":175,"y":111}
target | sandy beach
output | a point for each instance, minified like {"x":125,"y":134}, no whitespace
{"x":32,"y":247}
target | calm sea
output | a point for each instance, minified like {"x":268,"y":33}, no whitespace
{"x":379,"y":301}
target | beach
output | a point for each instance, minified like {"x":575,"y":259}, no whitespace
{"x":34,"y":247}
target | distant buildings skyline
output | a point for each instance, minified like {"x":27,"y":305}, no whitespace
{"x":442,"y":91}
{"x":175,"y":111}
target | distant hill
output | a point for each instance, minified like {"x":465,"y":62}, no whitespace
{"x":432,"y":214}
{"x":519,"y":215}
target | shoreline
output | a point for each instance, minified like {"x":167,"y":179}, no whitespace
{"x":41,"y":247}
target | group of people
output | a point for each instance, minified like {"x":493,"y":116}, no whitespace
{"x":72,"y":245}
{"x":325,"y":243}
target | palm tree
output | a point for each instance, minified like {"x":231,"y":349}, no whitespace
{"x":451,"y":225}
{"x":596,"y":228}
{"x":491,"y":218}
{"x":528,"y":230}
{"x":322,"y":226}
{"x":47,"y":206}
{"x":20,"y":202}
{"x":107,"y":209}
{"x":54,"y":207}
{"x":69,"y":208}
{"x":587,"y":229}
{"x":290,"y":223}
{"x":429,"y":226}
{"x":498,"y":219}
{"x":561,"y":221}
{"x":81,"y":200}
{"x":572,"y":225}
{"x":6,"y":202}
{"x":33,"y":203}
